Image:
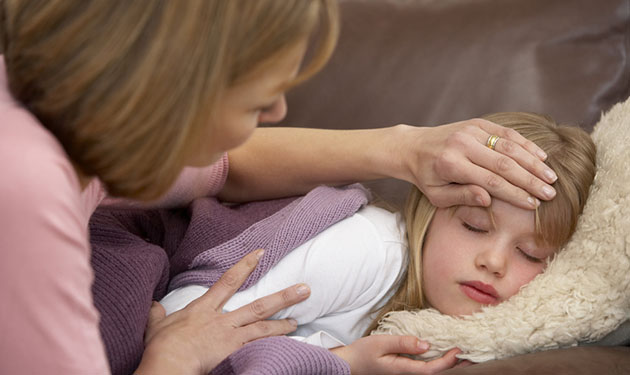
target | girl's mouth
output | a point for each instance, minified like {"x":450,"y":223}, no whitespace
{"x":480,"y":292}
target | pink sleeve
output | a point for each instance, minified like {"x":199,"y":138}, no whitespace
{"x":196,"y":182}
{"x":48,"y":323}
{"x":192,"y":183}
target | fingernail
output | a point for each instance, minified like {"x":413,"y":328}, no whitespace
{"x":293,"y":322}
{"x":549,"y":192}
{"x":423,"y":345}
{"x":259,"y":253}
{"x":551,"y":175}
{"x":533,"y":202}
{"x":479,"y":200}
{"x":303,"y":289}
{"x":541,"y":154}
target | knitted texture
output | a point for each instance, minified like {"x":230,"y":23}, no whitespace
{"x":281,"y":355}
{"x":585,"y":291}
{"x":135,"y":252}
{"x":128,"y":274}
{"x":278,"y":234}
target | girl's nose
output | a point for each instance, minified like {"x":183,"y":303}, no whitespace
{"x":493,"y":260}
{"x":275,"y":113}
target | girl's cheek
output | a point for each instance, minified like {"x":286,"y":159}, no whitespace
{"x":527,"y":273}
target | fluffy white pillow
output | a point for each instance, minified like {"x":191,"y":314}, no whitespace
{"x":583,"y":295}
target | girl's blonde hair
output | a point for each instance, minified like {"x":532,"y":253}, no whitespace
{"x":571,"y":154}
{"x":128,"y":87}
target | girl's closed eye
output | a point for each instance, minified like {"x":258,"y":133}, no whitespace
{"x":473,"y":228}
{"x":528,"y":256}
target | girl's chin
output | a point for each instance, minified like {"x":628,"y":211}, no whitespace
{"x":461,"y":310}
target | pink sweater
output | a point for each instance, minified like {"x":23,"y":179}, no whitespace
{"x":48,"y":323}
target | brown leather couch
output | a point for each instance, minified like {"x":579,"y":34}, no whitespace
{"x":426,"y":63}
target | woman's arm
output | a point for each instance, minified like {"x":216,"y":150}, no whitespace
{"x":449,"y":163}
{"x":192,"y":182}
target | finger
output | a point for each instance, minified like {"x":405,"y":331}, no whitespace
{"x":264,"y":307}
{"x":513,"y":172}
{"x":464,"y":363}
{"x":456,"y":194}
{"x":156,"y":314}
{"x":447,"y":361}
{"x":266,"y":328}
{"x":525,"y":152}
{"x":494,"y":184}
{"x":511,"y":134}
{"x":508,"y":160}
{"x":230,"y":281}
{"x":525,"y":159}
{"x":393,"y":344}
{"x":451,"y":167}
{"x":403,"y":365}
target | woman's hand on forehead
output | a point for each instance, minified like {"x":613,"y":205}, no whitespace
{"x":451,"y":164}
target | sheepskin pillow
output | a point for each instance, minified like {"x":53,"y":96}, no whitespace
{"x":583,"y":295}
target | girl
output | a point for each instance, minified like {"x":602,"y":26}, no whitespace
{"x":456,"y":260}
{"x":95,"y":94}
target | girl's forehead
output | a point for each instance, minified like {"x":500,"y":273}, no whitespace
{"x":498,"y":208}
{"x":502,"y":216}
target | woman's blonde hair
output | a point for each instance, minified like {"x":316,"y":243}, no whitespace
{"x":128,"y":86}
{"x":571,"y":154}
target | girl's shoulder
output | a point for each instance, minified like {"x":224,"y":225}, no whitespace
{"x":366,"y":243}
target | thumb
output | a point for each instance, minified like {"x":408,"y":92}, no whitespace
{"x":403,"y":344}
{"x":156,"y":314}
{"x":455,"y":194}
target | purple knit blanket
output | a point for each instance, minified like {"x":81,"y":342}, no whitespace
{"x":136,"y":254}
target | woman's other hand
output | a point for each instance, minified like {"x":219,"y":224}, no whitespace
{"x":197,"y":338}
{"x":379,"y":354}
{"x":452,"y":165}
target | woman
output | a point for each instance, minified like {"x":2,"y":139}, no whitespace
{"x":123,"y":96}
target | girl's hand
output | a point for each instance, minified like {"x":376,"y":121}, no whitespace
{"x":197,"y":338}
{"x":379,"y":354}
{"x":452,"y":165}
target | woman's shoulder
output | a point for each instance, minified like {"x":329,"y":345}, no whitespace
{"x":29,"y":153}
{"x":35,"y":172}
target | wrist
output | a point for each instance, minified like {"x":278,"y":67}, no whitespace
{"x":161,"y":363}
{"x":400,"y":150}
{"x":343,"y":352}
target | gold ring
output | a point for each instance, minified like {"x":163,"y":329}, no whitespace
{"x":492,"y":141}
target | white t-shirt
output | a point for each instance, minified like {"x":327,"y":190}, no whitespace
{"x":351,"y":268}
